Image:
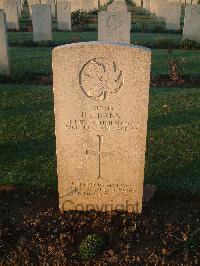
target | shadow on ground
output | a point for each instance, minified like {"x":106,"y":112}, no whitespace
{"x":34,"y":232}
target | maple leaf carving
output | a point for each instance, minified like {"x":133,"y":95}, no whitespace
{"x":113,"y":22}
{"x":195,"y":11}
{"x":101,"y":79}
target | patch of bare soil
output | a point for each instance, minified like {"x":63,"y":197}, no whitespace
{"x":34,"y":232}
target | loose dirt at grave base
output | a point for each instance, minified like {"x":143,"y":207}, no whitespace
{"x":33,"y":232}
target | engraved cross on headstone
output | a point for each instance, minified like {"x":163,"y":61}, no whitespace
{"x":99,"y":153}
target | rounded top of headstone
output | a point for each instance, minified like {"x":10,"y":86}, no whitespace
{"x":103,"y":43}
{"x":117,"y":6}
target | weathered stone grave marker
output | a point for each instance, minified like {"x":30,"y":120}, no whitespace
{"x":41,"y":19}
{"x":1,"y":4}
{"x":114,"y":26}
{"x":52,"y":5}
{"x":146,"y":5}
{"x":89,"y":5}
{"x":117,"y":6}
{"x":22,"y":4}
{"x":191,"y":28}
{"x":160,"y":9}
{"x":4,"y":59}
{"x":11,"y":11}
{"x":64,"y":15}
{"x":137,"y":2}
{"x":101,"y":110}
{"x":75,"y":5}
{"x":103,"y":2}
{"x":152,"y":7}
{"x":173,"y":16}
{"x":19,"y":7}
{"x":32,"y":3}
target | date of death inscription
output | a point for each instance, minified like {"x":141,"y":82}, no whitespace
{"x":100,"y":118}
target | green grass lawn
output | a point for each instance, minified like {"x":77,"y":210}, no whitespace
{"x":160,"y":58}
{"x":92,"y":36}
{"x":30,"y":60}
{"x":27,"y":136}
{"x":28,"y":144}
{"x":173,"y":131}
{"x":38,"y":60}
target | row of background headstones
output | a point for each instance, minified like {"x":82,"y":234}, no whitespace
{"x":41,"y":19}
{"x":156,"y":7}
{"x":113,"y":25}
{"x":167,"y":11}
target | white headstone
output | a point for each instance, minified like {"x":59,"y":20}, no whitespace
{"x":64,"y":15}
{"x":89,"y":5}
{"x":19,"y":7}
{"x":41,"y":19}
{"x":31,"y":3}
{"x":1,"y":4}
{"x":160,"y":9}
{"x":75,"y":5}
{"x":192,"y":23}
{"x":101,"y":111}
{"x":117,"y":6}
{"x":103,"y":2}
{"x":52,"y":5}
{"x":173,"y":16}
{"x":146,"y":4}
{"x":114,"y":26}
{"x":11,"y":11}
{"x":137,"y":2}
{"x":4,"y":59}
{"x":95,"y":5}
{"x":175,"y":1}
{"x":22,"y":4}
{"x":152,"y":6}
